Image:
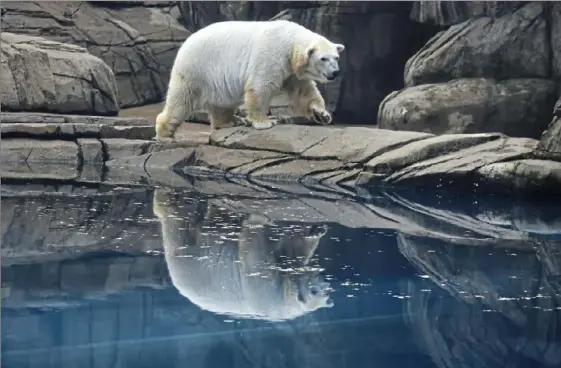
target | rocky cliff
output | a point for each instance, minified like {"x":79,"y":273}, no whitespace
{"x":137,"y":40}
{"x":496,"y":68}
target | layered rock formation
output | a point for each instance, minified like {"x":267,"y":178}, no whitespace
{"x":37,"y":74}
{"x":496,"y":58}
{"x":350,"y":157}
{"x":138,"y":41}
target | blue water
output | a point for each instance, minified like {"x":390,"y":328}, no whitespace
{"x":93,"y":278}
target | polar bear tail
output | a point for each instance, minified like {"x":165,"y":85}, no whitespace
{"x":179,"y":104}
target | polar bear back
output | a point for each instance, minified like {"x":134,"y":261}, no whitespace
{"x":221,"y":57}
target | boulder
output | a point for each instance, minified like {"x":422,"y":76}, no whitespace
{"x":516,"y":45}
{"x":42,"y":75}
{"x":529,"y":175}
{"x":138,"y":42}
{"x":516,"y":107}
{"x":550,"y":142}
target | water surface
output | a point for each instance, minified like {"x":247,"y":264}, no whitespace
{"x":143,"y":277}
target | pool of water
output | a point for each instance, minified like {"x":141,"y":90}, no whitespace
{"x":143,"y":277}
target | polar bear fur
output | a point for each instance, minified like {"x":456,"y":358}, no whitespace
{"x":237,"y":272}
{"x":233,"y":63}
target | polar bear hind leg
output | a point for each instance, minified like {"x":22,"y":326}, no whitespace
{"x":180,"y":100}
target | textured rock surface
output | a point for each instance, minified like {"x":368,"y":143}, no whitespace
{"x":528,"y":174}
{"x":550,"y":142}
{"x":447,"y":13}
{"x":514,"y":46}
{"x":323,"y":158}
{"x":516,"y":107}
{"x":138,"y":42}
{"x":41,"y":75}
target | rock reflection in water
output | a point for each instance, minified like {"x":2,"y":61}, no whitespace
{"x":241,"y":268}
{"x":506,"y":305}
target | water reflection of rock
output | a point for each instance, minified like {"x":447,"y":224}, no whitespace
{"x":238,"y":265}
{"x":508,"y":303}
{"x":62,"y":221}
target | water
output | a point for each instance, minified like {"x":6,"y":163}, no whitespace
{"x":91,"y":277}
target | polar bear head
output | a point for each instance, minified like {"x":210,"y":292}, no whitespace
{"x":319,"y":61}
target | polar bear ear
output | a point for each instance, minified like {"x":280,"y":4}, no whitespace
{"x":340,"y":47}
{"x":310,"y":51}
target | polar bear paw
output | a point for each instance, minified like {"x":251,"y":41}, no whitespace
{"x":264,"y":124}
{"x":321,"y":116}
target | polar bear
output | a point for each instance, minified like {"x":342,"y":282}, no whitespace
{"x":243,"y":272}
{"x":233,"y":63}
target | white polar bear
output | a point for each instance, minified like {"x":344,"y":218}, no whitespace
{"x":228,"y":64}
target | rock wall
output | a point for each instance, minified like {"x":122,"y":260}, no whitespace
{"x":41,"y":75}
{"x":496,"y":67}
{"x":138,"y":41}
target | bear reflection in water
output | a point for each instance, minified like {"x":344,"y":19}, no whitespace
{"x":237,"y":265}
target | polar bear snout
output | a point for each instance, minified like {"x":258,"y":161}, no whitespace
{"x":334,"y":74}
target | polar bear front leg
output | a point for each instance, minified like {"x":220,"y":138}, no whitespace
{"x":307,"y":101}
{"x":257,"y":101}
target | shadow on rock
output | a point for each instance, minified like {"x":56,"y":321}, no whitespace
{"x":240,"y":265}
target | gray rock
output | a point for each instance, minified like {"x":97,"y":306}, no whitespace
{"x":39,"y":170}
{"x":528,"y":175}
{"x":145,"y":132}
{"x":397,"y":159}
{"x":294,"y":170}
{"x":281,"y":138}
{"x":466,"y":161}
{"x":48,"y":118}
{"x":169,"y":159}
{"x":43,"y":75}
{"x":550,"y":142}
{"x":445,"y":13}
{"x":516,"y":107}
{"x":225,"y":160}
{"x":118,"y":148}
{"x":39,"y":151}
{"x":91,"y":150}
{"x":354,"y":145}
{"x":139,"y":43}
{"x":513,"y":46}
{"x":72,"y":127}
